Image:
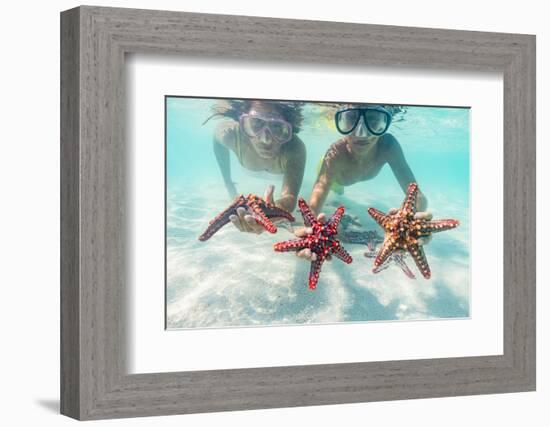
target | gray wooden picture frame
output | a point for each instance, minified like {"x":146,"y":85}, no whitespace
{"x":94,"y":41}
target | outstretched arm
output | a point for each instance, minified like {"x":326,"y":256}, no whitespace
{"x":293,"y":175}
{"x":401,"y":170}
{"x":333,"y":165}
{"x":321,"y":188}
{"x":222,"y":157}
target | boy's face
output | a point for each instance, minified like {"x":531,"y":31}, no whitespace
{"x":362,"y":136}
{"x":361,"y":146}
{"x":361,"y":140}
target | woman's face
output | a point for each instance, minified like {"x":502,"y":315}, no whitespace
{"x":264,"y":143}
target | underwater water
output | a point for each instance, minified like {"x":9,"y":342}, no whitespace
{"x":236,"y":279}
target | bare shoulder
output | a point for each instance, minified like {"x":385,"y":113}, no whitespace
{"x":388,"y":142}
{"x":389,"y":145}
{"x":295,"y":148}
{"x":293,"y":154}
{"x":225,"y":133}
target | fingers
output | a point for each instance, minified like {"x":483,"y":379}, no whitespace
{"x":302,"y":231}
{"x":268,"y":195}
{"x":305,"y":231}
{"x":423,"y":215}
{"x":427,"y":216}
{"x":239,"y":220}
{"x":236,"y":222}
{"x":306,"y":254}
{"x":245,"y":222}
{"x":252,"y":225}
{"x":241,"y":213}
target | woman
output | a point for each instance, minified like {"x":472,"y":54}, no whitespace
{"x":263,"y":137}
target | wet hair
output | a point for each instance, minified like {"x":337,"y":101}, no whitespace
{"x":233,"y":108}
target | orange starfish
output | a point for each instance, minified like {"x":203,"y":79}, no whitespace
{"x":402,"y":231}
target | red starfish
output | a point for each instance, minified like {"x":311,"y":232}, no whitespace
{"x":321,"y":241}
{"x":261,"y":210}
{"x":402,"y":231}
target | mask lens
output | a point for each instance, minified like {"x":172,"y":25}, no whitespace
{"x":347,"y":120}
{"x":282,"y":131}
{"x":377,"y":121}
{"x":252,"y":126}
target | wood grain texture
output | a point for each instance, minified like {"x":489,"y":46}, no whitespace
{"x":70,"y":291}
{"x":95,"y":274}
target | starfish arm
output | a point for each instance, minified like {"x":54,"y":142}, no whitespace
{"x":385,"y":251}
{"x":261,"y":218}
{"x":379,"y":217}
{"x":399,"y":260}
{"x":314,"y":272}
{"x":439,"y":225}
{"x":342,"y":254}
{"x":409,"y":204}
{"x":336,"y":217}
{"x":220,"y":220}
{"x":370,"y":254}
{"x":272,"y":211}
{"x":420,"y":260}
{"x":380,"y":268}
{"x":309,"y":218}
{"x":291,"y":245}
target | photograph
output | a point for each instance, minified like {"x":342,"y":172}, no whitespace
{"x":290,"y":212}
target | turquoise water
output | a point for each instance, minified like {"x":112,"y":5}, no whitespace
{"x":236,"y":279}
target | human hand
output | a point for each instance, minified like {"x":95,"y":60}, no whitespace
{"x":427,"y":216}
{"x":244,"y":220}
{"x":306,"y":253}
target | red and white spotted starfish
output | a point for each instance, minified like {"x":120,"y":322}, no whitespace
{"x":262,"y":211}
{"x":402,"y":231}
{"x":322,"y":241}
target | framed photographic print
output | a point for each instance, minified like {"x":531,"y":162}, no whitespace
{"x":291,"y":213}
